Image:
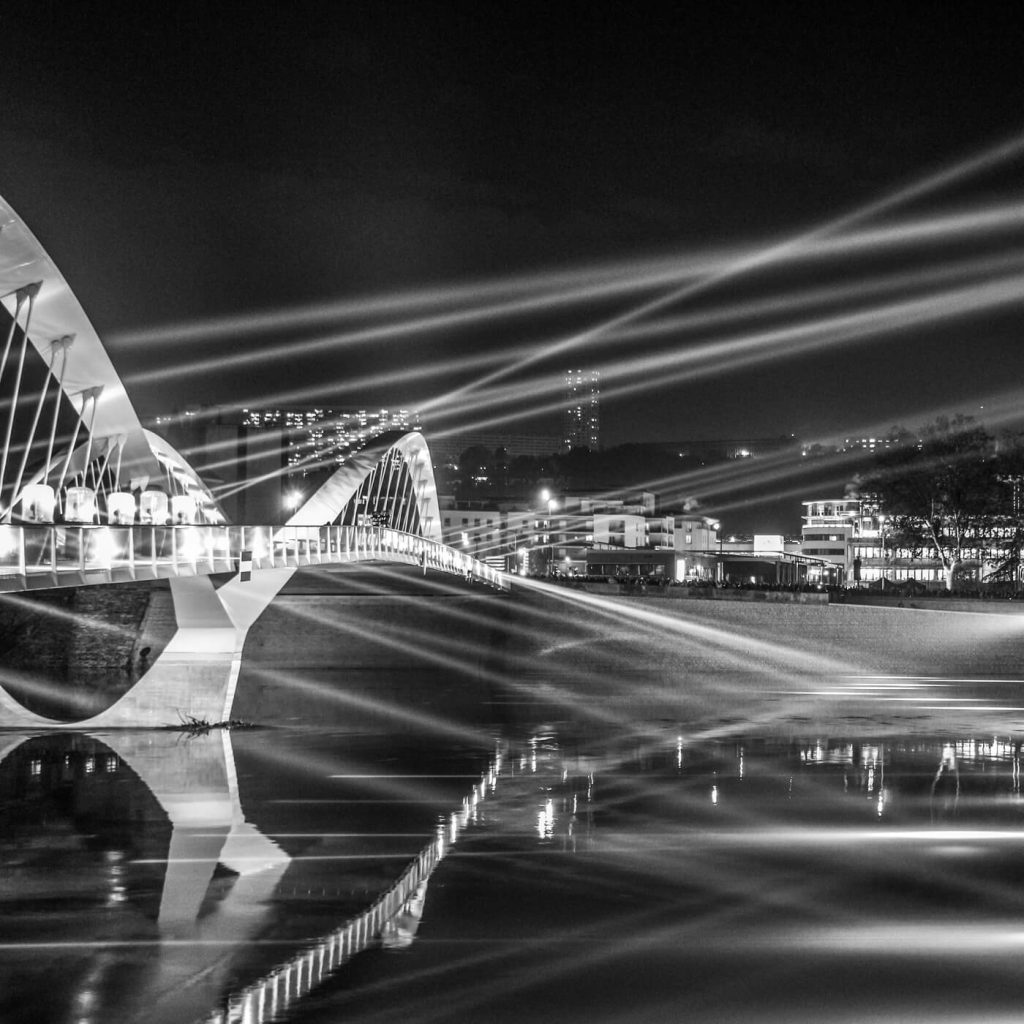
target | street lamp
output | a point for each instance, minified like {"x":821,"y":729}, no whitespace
{"x":551,"y":505}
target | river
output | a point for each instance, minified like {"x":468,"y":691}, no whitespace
{"x":521,"y":853}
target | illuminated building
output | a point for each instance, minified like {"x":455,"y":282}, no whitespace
{"x":851,"y":533}
{"x":582,"y":536}
{"x":317,"y":438}
{"x":255,"y":456}
{"x":830,"y":529}
{"x":582,"y":410}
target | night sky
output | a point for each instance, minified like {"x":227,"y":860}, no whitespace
{"x":182,"y":164}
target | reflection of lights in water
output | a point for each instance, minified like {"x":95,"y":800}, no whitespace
{"x":118,"y":892}
{"x":546,"y":821}
{"x":391,"y":921}
{"x":679,"y":751}
{"x":881,"y":800}
{"x":714,"y":794}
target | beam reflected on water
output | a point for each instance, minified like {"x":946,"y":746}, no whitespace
{"x":271,"y":875}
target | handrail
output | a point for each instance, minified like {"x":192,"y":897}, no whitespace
{"x":45,"y":557}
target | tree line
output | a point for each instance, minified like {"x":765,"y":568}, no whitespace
{"x":949,"y":489}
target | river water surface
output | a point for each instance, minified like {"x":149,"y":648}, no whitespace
{"x":529,"y":860}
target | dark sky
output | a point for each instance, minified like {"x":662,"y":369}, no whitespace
{"x":182,"y":164}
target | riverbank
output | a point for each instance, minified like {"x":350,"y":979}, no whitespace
{"x":386,"y":638}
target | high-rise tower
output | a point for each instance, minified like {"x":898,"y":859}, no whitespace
{"x":582,"y":425}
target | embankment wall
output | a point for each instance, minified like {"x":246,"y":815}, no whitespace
{"x":358,"y":645}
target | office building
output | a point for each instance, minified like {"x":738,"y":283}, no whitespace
{"x":582,"y":410}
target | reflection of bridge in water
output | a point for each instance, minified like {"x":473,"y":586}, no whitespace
{"x":227,"y":950}
{"x":89,"y":496}
{"x":207,"y":958}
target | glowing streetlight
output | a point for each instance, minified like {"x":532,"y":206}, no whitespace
{"x":292,"y":500}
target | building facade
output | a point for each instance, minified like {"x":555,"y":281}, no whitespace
{"x":314,"y":438}
{"x":582,"y":410}
{"x":584,"y":536}
{"x":854,"y":534}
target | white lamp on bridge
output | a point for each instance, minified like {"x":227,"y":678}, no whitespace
{"x":120,"y":508}
{"x":37,"y":503}
{"x":153,"y":508}
{"x":80,"y":505}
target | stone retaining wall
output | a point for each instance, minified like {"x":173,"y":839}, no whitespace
{"x":352,"y":643}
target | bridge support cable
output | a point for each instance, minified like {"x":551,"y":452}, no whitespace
{"x":22,"y":294}
{"x":70,"y":452}
{"x":394,"y":481}
{"x":56,"y":346}
{"x":65,"y":343}
{"x":40,"y":307}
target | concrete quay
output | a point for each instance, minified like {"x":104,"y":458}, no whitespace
{"x":374,"y":639}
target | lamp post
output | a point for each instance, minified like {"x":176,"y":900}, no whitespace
{"x":548,"y":505}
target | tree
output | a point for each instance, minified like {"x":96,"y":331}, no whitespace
{"x":940,"y":492}
{"x":1011,"y":475}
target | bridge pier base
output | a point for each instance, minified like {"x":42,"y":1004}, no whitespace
{"x":194,"y":679}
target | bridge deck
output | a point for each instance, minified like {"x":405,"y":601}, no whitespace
{"x":46,"y":557}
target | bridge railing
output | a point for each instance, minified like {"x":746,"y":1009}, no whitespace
{"x":41,"y":557}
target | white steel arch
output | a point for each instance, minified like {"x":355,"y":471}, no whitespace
{"x":400,"y":475}
{"x":47,"y":321}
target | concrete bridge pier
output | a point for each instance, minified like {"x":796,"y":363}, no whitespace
{"x":195,"y":676}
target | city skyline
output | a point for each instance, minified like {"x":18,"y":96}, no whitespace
{"x":801,"y":249}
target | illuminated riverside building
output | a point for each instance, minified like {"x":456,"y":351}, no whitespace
{"x":830,"y":528}
{"x":850,"y":533}
{"x":582,"y":410}
{"x":582,"y":536}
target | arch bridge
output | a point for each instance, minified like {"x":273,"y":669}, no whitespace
{"x":89,"y":496}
